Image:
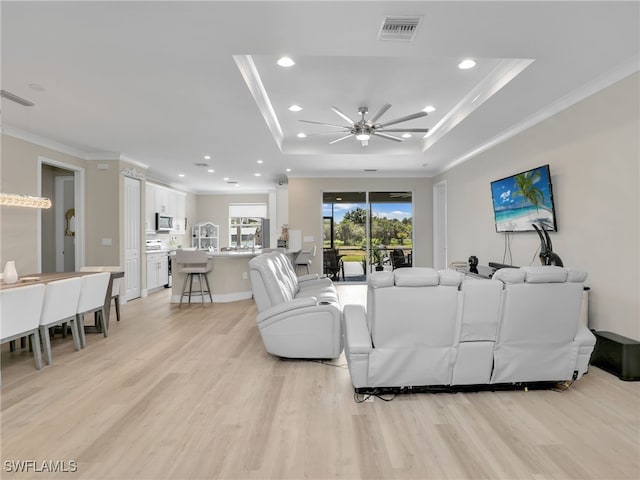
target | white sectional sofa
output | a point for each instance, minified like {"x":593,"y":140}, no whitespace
{"x":426,"y":328}
{"x":298,"y":317}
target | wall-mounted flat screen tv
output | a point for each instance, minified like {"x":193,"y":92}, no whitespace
{"x":522,"y":200}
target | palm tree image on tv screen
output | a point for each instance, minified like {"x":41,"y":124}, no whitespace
{"x":523,"y":200}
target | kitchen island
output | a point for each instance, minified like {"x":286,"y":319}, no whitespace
{"x":228,"y":278}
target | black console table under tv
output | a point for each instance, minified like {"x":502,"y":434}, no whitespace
{"x":482,"y":271}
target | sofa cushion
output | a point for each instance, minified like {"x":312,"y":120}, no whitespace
{"x":416,"y":277}
{"x":576,"y":276}
{"x":450,"y":278}
{"x":509,"y":275}
{"x":544,"y":274}
{"x":380,"y":279}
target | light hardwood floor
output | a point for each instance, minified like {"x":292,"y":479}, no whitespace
{"x":191,"y":394}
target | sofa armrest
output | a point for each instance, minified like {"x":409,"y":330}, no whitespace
{"x":356,"y":331}
{"x":584,"y":337}
{"x":314,"y":282}
{"x":294,"y":304}
{"x":306,"y":278}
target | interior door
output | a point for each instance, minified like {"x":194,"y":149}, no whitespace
{"x":65,"y":223}
{"x":132,"y":226}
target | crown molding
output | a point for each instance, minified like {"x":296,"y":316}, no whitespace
{"x":252,"y":78}
{"x":601,"y":82}
{"x":42,"y":141}
{"x":66,"y":149}
{"x":501,"y":75}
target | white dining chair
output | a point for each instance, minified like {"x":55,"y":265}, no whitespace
{"x":93,"y":294}
{"x":20,"y":309}
{"x":59,"y":307}
{"x":194,"y":263}
{"x":115,"y":286}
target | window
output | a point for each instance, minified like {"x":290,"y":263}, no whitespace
{"x":245,"y":224}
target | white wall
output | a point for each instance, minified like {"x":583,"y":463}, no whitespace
{"x":593,"y":153}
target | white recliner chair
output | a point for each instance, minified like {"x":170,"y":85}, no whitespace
{"x":299,"y":317}
{"x":540,"y":337}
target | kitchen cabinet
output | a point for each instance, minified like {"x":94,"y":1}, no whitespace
{"x":157,"y":270}
{"x":159,"y":199}
{"x":205,"y":236}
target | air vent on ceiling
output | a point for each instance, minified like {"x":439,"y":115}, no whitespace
{"x":399,"y":28}
{"x":200,"y":164}
{"x":232,"y":182}
{"x":370,"y":169}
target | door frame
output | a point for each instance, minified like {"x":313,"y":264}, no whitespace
{"x":79,"y":203}
{"x":440,"y":225}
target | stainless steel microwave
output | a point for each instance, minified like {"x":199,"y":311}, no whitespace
{"x":164,"y":223}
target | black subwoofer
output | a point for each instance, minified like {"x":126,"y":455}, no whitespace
{"x":617,"y":355}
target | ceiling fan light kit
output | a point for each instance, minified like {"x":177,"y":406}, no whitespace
{"x":364,"y":129}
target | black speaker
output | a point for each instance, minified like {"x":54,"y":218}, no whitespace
{"x":617,"y":355}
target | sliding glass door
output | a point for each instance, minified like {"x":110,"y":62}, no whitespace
{"x":366,"y":231}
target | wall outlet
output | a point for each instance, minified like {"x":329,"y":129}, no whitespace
{"x":245,"y":275}
{"x":106,"y":242}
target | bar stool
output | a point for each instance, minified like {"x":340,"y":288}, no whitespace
{"x":194,"y":262}
{"x":304,"y":259}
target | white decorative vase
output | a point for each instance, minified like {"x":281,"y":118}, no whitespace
{"x":10,"y":275}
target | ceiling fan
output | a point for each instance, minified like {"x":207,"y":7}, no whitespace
{"x":364,"y":129}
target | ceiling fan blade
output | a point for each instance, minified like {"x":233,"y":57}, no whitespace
{"x":325,"y":124}
{"x":340,"y":139}
{"x":408,"y":130}
{"x":342,"y":115}
{"x":325,"y":133}
{"x":404,"y":119}
{"x":388,"y":137}
{"x":379,"y":113}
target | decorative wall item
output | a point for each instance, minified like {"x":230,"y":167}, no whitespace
{"x":15,"y":200}
{"x":133,"y":173}
{"x":70,"y":222}
{"x":10,"y":275}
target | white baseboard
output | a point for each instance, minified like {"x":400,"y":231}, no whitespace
{"x":221,"y":298}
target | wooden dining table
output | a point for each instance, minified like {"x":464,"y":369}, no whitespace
{"x":45,"y":278}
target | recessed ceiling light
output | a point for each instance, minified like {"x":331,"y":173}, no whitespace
{"x":406,"y":135}
{"x":237,"y":185}
{"x":295,"y":108}
{"x":301,"y":135}
{"x":207,"y":157}
{"x":226,"y":179}
{"x":429,"y":109}
{"x":211,"y":170}
{"x":260,"y":161}
{"x":257,"y":174}
{"x":181,"y":174}
{"x":288,"y":170}
{"x":286,"y":62}
{"x":466,"y":64}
